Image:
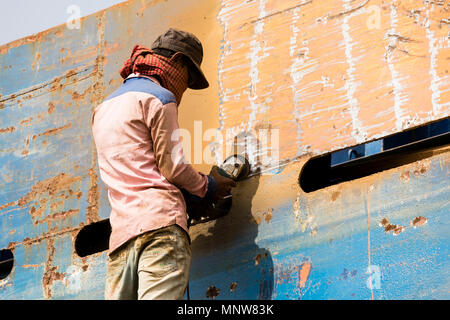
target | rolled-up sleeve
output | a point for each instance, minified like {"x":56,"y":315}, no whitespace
{"x":169,"y":153}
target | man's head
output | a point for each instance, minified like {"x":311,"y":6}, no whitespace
{"x":176,"y":41}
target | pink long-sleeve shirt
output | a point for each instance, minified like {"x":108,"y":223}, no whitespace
{"x":141,"y":160}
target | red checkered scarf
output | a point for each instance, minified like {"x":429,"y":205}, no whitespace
{"x":147,"y":63}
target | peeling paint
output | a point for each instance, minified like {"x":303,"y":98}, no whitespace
{"x":387,"y":113}
{"x":8,"y":130}
{"x":312,"y":70}
{"x":335,"y":195}
{"x":55,"y":130}
{"x":405,"y":176}
{"x":418,"y":221}
{"x":421,"y":170}
{"x":212,"y":292}
{"x":305,"y":270}
{"x":51,"y":273}
{"x":268,"y":215}
{"x":93,"y":198}
{"x":396,"y":229}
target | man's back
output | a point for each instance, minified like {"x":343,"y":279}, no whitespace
{"x":125,"y":127}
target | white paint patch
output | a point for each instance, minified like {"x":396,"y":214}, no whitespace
{"x":73,"y":277}
{"x":255,"y":57}
{"x":301,"y":65}
{"x":4,"y":283}
{"x":226,"y":13}
{"x":399,"y":98}
{"x":435,"y":79}
{"x":358,"y":132}
{"x":299,"y":57}
{"x":296,"y":76}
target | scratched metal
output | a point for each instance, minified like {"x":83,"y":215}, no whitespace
{"x":280,"y":243}
{"x":351,"y":70}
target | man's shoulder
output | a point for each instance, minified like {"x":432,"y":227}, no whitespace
{"x":144,"y":85}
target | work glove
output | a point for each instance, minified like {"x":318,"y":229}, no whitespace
{"x":224,"y":184}
{"x":199,"y":209}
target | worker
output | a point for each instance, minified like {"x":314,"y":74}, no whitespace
{"x":144,"y":169}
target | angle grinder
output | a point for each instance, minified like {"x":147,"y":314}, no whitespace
{"x":235,"y":167}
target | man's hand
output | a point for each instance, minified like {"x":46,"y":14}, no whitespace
{"x":224,"y":184}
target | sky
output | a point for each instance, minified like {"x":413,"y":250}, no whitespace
{"x":21,"y":18}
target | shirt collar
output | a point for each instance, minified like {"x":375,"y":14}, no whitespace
{"x":138,"y":75}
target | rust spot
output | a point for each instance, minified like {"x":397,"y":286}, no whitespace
{"x":9,"y":130}
{"x":55,"y":130}
{"x":268,"y":215}
{"x":8,"y":205}
{"x":405,"y":175}
{"x":26,"y":121}
{"x":70,"y":73}
{"x":51,"y":272}
{"x":257,"y":259}
{"x":287,"y":273}
{"x":52,"y":233}
{"x":421,"y":170}
{"x":93,"y":197}
{"x":212,"y":292}
{"x":58,"y":216}
{"x":81,"y":96}
{"x":56,"y":85}
{"x":418,"y":221}
{"x":335,"y":195}
{"x":233,"y":286}
{"x":396,"y":229}
{"x":51,"y":107}
{"x":47,"y":191}
{"x":26,"y":266}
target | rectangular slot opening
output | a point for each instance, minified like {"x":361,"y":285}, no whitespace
{"x":376,"y":156}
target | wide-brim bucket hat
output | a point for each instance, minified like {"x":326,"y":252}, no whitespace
{"x":189,"y":45}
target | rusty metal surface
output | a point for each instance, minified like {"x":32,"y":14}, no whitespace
{"x":352,"y":71}
{"x":281,"y":243}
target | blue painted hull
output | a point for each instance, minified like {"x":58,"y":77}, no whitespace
{"x":278,"y":242}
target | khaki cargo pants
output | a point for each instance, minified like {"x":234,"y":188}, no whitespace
{"x":153,"y":266}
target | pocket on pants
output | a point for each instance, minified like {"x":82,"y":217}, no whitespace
{"x":116,"y":276}
{"x":116,"y":262}
{"x":159,"y":257}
